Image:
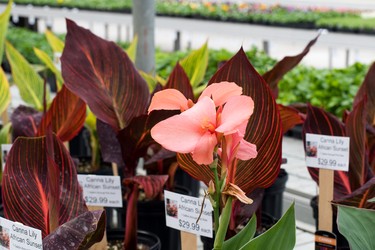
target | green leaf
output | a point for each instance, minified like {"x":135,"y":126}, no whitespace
{"x":90,"y":120}
{"x":29,"y":83}
{"x":132,"y":49}
{"x":371,"y":200}
{"x":4,"y":92}
{"x":357,"y":225}
{"x":151,"y":80}
{"x":43,"y":56}
{"x":281,"y":236}
{"x":199,"y":89}
{"x":56,"y":44}
{"x":5,"y":134}
{"x":195,"y":65}
{"x":4,"y":21}
{"x":243,"y":237}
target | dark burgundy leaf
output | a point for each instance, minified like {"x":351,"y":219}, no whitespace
{"x":273,"y":76}
{"x":25,"y":121}
{"x":359,"y":169}
{"x":79,"y":233}
{"x":102,"y":75}
{"x":160,"y":155}
{"x":109,"y":144}
{"x":180,"y":81}
{"x":242,"y":212}
{"x":371,"y":145}
{"x":134,"y":141}
{"x":152,"y":185}
{"x":367,"y":88}
{"x":359,"y":198}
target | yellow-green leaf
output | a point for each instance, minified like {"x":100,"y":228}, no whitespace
{"x":132,"y":49}
{"x":4,"y":21}
{"x":43,"y":56}
{"x":161,"y":80}
{"x":151,"y":80}
{"x":29,"y":83}
{"x":56,"y":44}
{"x":90,"y":120}
{"x":5,"y":134}
{"x":195,"y":65}
{"x":4,"y":92}
{"x":198,"y":90}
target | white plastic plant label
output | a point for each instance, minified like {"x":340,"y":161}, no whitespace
{"x":101,"y":190}
{"x":5,"y":148}
{"x":14,"y":235}
{"x":328,"y":152}
{"x":182,"y":213}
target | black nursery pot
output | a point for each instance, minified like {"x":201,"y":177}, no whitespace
{"x":342,"y":243}
{"x":151,"y":218}
{"x":272,"y":203}
{"x":183,"y":179}
{"x":145,"y":238}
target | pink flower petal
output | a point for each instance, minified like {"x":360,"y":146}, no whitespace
{"x":221,"y":92}
{"x":177,"y":134}
{"x":246,"y":150}
{"x":181,"y":133}
{"x":170,"y":99}
{"x":203,"y":153}
{"x":242,"y":128}
{"x":203,"y":114}
{"x":236,"y":111}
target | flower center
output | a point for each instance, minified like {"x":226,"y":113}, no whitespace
{"x":208,"y":126}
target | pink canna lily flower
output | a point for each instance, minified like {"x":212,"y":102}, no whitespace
{"x":221,"y":92}
{"x":172,"y":99}
{"x":192,"y":131}
{"x":198,"y":130}
{"x":169,"y":99}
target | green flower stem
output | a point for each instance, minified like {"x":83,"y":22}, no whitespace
{"x":224,"y":222}
{"x":217,"y":200}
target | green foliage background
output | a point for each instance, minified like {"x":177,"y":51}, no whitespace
{"x":333,"y":89}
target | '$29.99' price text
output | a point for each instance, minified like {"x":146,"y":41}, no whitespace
{"x":188,"y":225}
{"x":93,"y":200}
{"x":325,"y":162}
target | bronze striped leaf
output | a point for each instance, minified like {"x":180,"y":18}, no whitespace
{"x":66,"y":114}
{"x":27,"y":187}
{"x":101,"y":73}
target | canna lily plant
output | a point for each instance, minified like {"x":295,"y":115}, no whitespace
{"x":359,"y":126}
{"x":212,"y":128}
{"x":211,"y":131}
{"x":354,"y":191}
{"x":211,"y":138}
{"x":103,"y":75}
